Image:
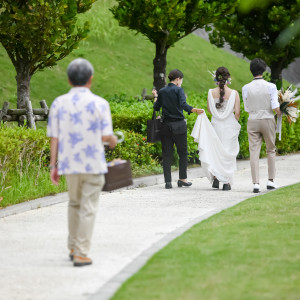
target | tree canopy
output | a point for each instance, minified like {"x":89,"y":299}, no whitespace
{"x":38,"y":33}
{"x":164,"y":22}
{"x":256,"y":34}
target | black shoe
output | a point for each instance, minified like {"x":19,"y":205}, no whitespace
{"x":215,"y":184}
{"x":168,"y":185}
{"x":226,"y":187}
{"x":181,"y":183}
{"x":71,"y":254}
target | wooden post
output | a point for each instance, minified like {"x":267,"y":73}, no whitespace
{"x":145,"y":96}
{"x":144,"y":93}
{"x":29,"y":114}
{"x":9,"y":118}
{"x":22,"y":119}
{"x":3,"y":112}
{"x":40,"y":118}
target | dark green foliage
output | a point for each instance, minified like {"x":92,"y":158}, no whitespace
{"x":165,"y":22}
{"x":256,"y":33}
{"x":38,"y":33}
{"x":136,"y":149}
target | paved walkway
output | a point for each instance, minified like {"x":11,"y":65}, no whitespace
{"x":131,"y":225}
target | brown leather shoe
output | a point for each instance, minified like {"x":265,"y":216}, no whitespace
{"x":80,"y":261}
{"x":71,"y":255}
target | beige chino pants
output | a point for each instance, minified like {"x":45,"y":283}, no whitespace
{"x":258,"y":129}
{"x":84,"y":191}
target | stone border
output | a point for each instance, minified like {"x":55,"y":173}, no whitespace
{"x":112,"y":286}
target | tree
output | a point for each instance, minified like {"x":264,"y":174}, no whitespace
{"x":256,"y":33}
{"x":164,"y":22}
{"x":38,"y":33}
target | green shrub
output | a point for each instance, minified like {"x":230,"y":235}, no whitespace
{"x":136,"y":149}
{"x":131,"y":114}
{"x":20,"y":150}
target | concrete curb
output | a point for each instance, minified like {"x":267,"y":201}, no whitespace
{"x":112,"y":286}
{"x":63,"y":197}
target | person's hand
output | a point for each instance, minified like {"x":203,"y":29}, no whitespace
{"x":198,"y":111}
{"x":154,"y":93}
{"x":278,"y":111}
{"x":113,"y":142}
{"x":54,"y":176}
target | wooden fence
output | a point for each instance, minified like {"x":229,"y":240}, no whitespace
{"x":28,"y":114}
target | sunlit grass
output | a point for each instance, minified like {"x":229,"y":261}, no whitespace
{"x":250,"y":251}
{"x":27,"y":186}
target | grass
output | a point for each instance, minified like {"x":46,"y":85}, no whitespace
{"x":250,"y":251}
{"x":26,"y":187}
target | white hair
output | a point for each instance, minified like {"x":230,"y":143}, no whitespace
{"x":80,"y":71}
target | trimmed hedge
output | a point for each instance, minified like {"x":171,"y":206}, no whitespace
{"x":133,"y":115}
{"x":22,"y":149}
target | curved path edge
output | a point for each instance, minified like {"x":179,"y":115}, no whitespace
{"x":112,"y":286}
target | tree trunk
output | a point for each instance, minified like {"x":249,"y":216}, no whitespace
{"x":276,"y":74}
{"x":23,"y":84}
{"x":160,"y":64}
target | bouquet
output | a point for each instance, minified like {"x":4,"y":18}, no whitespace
{"x":288,"y":106}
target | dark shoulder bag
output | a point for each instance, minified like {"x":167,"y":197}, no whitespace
{"x":153,"y":129}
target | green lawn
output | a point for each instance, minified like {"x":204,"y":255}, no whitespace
{"x":250,"y":251}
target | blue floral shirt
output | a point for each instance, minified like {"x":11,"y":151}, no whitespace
{"x":79,"y":119}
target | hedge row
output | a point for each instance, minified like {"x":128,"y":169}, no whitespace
{"x":132,"y":115}
{"x":21,"y":149}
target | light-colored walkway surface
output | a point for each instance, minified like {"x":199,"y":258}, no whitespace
{"x":131,"y":225}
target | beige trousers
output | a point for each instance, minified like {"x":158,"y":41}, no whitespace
{"x":258,"y":129}
{"x":84,"y":191}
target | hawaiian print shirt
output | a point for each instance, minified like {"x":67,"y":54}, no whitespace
{"x":79,"y":119}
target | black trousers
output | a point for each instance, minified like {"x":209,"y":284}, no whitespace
{"x":174,"y":133}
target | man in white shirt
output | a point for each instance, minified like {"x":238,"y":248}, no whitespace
{"x":260,"y":100}
{"x":79,"y":122}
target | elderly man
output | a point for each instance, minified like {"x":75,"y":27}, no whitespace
{"x":79,"y":123}
{"x":260,"y":100}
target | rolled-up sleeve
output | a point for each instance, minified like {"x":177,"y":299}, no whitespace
{"x":182,"y":101}
{"x":244,"y":94}
{"x":274,"y":96}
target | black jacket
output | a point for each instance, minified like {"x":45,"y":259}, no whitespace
{"x":173,"y":101}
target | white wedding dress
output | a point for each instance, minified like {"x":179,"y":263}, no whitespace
{"x":218,"y":140}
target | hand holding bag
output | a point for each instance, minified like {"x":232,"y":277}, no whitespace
{"x":118,"y":171}
{"x":153,"y":129}
{"x":119,"y":175}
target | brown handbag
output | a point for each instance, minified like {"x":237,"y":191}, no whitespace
{"x":119,"y":175}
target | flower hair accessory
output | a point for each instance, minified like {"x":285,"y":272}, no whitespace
{"x":214,"y":76}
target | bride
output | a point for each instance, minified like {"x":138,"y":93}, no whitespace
{"x":218,"y":141}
